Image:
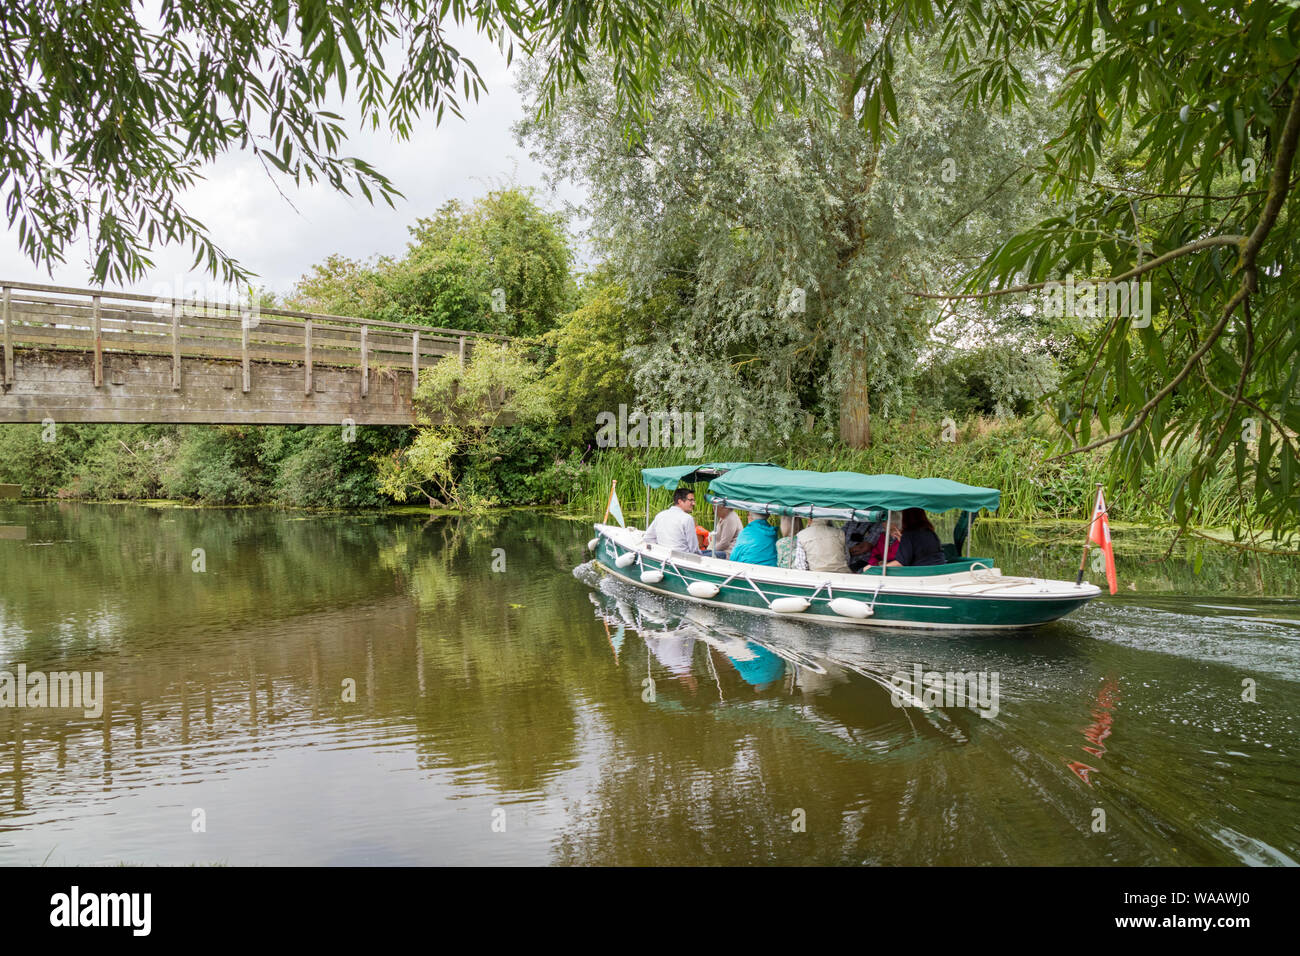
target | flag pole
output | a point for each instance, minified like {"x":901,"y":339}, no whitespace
{"x":1087,"y":542}
{"x":612,"y":484}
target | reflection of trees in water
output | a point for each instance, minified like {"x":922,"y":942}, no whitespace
{"x":426,"y":560}
{"x":501,"y":665}
{"x":190,"y":706}
{"x":94,"y":575}
{"x":720,"y":784}
{"x":440,"y":555}
{"x":312,"y":600}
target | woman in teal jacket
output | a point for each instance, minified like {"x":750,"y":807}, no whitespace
{"x":756,"y":544}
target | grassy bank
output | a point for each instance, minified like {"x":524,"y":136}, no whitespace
{"x":1009,"y":455}
{"x":305,"y":467}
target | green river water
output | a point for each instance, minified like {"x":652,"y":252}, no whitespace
{"x":288,"y":688}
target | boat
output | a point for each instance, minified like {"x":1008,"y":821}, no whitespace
{"x":965,"y":593}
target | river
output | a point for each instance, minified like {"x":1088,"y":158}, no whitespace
{"x":291,"y":688}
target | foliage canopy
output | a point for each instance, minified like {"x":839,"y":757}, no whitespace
{"x":455,"y":263}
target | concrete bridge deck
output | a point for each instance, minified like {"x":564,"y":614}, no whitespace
{"x":93,"y":355}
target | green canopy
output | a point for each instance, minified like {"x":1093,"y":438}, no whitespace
{"x":690,"y":474}
{"x":782,"y":491}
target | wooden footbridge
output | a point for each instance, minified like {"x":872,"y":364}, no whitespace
{"x":92,"y":355}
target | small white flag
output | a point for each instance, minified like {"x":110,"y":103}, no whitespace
{"x":615,"y":510}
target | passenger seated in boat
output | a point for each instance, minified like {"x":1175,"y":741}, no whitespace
{"x":674,"y":527}
{"x":859,"y":536}
{"x":757,"y":543}
{"x":785,"y":545}
{"x":919,"y":544}
{"x":725,"y":531}
{"x":878,"y":546}
{"x":820,"y":547}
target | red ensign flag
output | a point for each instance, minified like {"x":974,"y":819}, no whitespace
{"x":1099,"y":534}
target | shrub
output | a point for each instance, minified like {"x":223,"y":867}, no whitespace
{"x":217,"y":465}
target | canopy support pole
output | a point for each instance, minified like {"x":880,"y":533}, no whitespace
{"x":713,"y":532}
{"x":647,"y":507}
{"x":970,"y":526}
{"x":884,"y":551}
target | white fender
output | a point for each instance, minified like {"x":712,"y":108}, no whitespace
{"x":652,"y":576}
{"x":625,"y":559}
{"x":847,"y":607}
{"x":593,"y":544}
{"x":790,"y":605}
{"x":703,"y":589}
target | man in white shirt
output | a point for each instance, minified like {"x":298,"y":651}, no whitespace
{"x":674,"y":527}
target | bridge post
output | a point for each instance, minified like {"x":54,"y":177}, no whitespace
{"x":9,"y":344}
{"x":176,"y":347}
{"x":307,"y":353}
{"x":99,"y":344}
{"x":462,"y":351}
{"x":243,"y":353}
{"x":415,"y":362}
{"x":365,"y":363}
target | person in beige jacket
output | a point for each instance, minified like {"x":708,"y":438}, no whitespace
{"x":821,"y":547}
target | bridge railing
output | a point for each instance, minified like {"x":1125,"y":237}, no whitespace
{"x":40,"y":316}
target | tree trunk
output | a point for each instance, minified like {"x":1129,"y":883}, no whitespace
{"x":855,"y":402}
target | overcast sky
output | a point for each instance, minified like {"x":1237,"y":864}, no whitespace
{"x":250,"y":220}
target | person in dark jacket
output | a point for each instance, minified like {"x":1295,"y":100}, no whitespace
{"x":919,"y":544}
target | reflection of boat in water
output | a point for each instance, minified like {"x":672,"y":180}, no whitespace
{"x":756,"y":665}
{"x":964,"y":592}
{"x":674,"y":651}
{"x":670,"y":634}
{"x":832,"y":697}
{"x":761,"y":652}
{"x":672,"y":638}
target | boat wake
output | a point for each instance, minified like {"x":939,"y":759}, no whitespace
{"x":1265,"y":639}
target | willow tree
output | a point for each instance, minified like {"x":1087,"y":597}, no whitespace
{"x":1206,"y":213}
{"x":111,"y":110}
{"x":798,"y":241}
